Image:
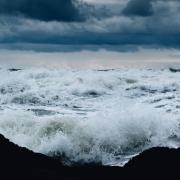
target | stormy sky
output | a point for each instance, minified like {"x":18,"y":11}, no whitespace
{"x":119,"y":23}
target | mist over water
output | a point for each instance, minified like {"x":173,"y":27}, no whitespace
{"x":89,"y":57}
{"x":85,"y":116}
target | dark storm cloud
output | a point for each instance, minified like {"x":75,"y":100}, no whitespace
{"x":139,"y":8}
{"x":137,"y":22}
{"x":47,"y":10}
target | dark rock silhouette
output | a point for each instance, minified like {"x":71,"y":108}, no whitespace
{"x":156,"y":162}
{"x":21,"y":163}
{"x":174,"y":70}
{"x":14,"y":70}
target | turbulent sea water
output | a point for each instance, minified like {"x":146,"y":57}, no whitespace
{"x":90,"y":116}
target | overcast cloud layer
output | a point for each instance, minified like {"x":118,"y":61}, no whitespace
{"x":73,"y":22}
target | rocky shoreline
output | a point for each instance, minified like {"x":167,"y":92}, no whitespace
{"x":21,"y":163}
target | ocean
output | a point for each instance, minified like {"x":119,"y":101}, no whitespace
{"x":90,"y":116}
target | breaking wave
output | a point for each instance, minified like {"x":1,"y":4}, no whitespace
{"x":90,"y":116}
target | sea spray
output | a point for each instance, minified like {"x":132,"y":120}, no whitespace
{"x":88,"y":116}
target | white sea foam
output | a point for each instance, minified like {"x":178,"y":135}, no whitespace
{"x":90,"y":116}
